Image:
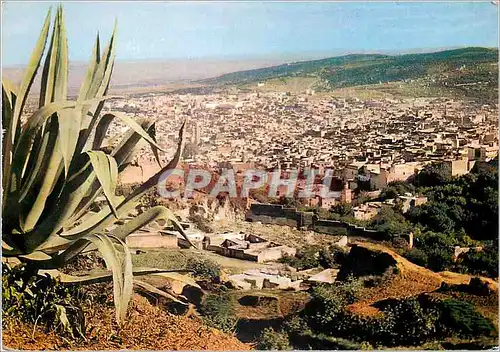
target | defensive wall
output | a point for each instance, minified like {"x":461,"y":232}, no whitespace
{"x":281,"y":215}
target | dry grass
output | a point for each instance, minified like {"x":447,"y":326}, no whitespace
{"x":148,"y":328}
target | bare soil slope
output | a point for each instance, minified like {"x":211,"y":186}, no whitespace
{"x":148,"y":328}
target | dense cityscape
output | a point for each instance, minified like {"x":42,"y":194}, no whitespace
{"x":352,"y":136}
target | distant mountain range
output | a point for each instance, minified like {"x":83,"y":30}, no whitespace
{"x":146,"y":74}
{"x":450,"y":67}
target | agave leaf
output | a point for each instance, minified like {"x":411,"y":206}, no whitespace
{"x":61,"y":83}
{"x":84,"y":95}
{"x":25,"y":86}
{"x":150,"y":215}
{"x":101,"y":129}
{"x":129,"y":143}
{"x":49,"y":179}
{"x":38,"y":157}
{"x":54,"y":168}
{"x":122,"y":271}
{"x":7,"y":249}
{"x":88,"y":219}
{"x":178,"y":277}
{"x":152,"y":133}
{"x":128,"y":282}
{"x":137,"y":128}
{"x":33,"y":124}
{"x":107,"y":173}
{"x":36,"y":256}
{"x":49,"y":73}
{"x":150,"y":288}
{"x":130,"y":201}
{"x":69,"y":128}
{"x":87,"y":141}
{"x":101,"y":80}
{"x":153,"y":180}
{"x":22,"y":149}
{"x":10,"y":88}
{"x":7,"y":107}
{"x":99,"y":276}
{"x":94,"y":63}
{"x":119,"y":261}
{"x":45,"y":234}
{"x":101,"y":77}
{"x":30,"y":72}
{"x":126,"y":147}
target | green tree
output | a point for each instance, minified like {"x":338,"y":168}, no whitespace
{"x":342,"y":208}
{"x":433,"y":175}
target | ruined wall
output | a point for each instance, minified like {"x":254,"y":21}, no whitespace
{"x":266,"y":219}
{"x":273,"y":214}
{"x":308,"y":220}
{"x":378,"y":180}
{"x":234,"y":253}
{"x":332,"y":227}
{"x":269,"y":254}
{"x":293,"y":218}
{"x":275,"y":210}
{"x":459,"y":167}
{"x":458,"y":251}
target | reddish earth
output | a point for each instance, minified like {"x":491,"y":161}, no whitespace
{"x":148,"y":328}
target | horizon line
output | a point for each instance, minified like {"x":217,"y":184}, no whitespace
{"x":318,"y":55}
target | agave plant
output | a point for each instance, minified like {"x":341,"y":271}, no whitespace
{"x":55,"y":166}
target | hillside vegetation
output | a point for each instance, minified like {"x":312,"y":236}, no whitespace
{"x":471,"y":72}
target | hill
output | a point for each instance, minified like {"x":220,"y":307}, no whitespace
{"x":471,"y":71}
{"x":407,"y":279}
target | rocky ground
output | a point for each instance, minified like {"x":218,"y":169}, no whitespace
{"x":285,"y":235}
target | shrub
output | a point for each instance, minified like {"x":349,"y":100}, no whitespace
{"x":433,"y":250}
{"x":325,"y":312}
{"x":217,"y":311}
{"x":42,"y":300}
{"x":439,"y":259}
{"x":433,"y":175}
{"x":461,"y":318}
{"x":390,"y":222}
{"x":295,"y":324}
{"x":406,"y":322}
{"x":321,"y":341}
{"x":273,"y":340}
{"x":204,"y":268}
{"x":342,"y":208}
{"x":306,"y":257}
{"x":417,"y":256}
{"x":395,"y":189}
{"x":331,"y":257}
{"x":483,"y":262}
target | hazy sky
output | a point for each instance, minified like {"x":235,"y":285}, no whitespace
{"x":158,"y":30}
